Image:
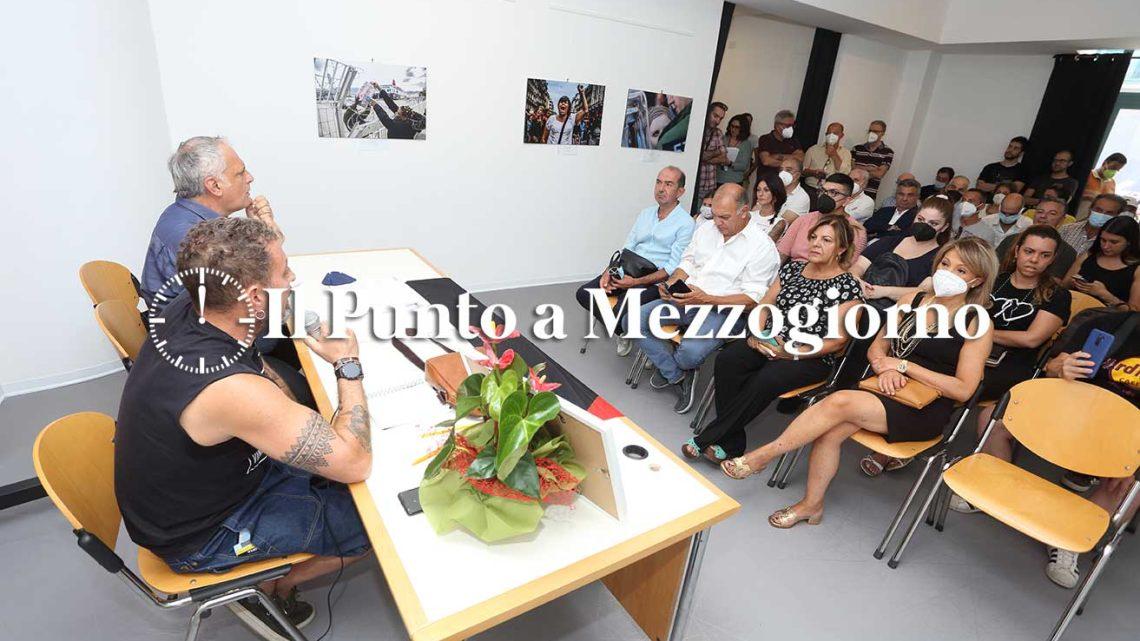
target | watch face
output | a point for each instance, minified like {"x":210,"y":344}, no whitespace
{"x":351,"y":370}
{"x":156,"y":322}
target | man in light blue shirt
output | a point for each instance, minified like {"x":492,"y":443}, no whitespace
{"x":210,"y":181}
{"x":660,"y":235}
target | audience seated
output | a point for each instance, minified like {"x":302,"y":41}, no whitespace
{"x":1108,"y":272}
{"x":1058,"y":175}
{"x":968,"y":216}
{"x":660,"y":235}
{"x":1008,"y":169}
{"x":1055,"y":192}
{"x":737,"y":137}
{"x":1102,"y":180}
{"x":952,"y":365}
{"x":834,"y":195}
{"x":767,"y":202}
{"x":861,"y":206}
{"x":889,"y":221}
{"x":752,"y":373}
{"x":825,"y":158}
{"x":958,"y":183}
{"x":874,"y":155}
{"x":210,"y":181}
{"x":713,"y":154}
{"x":202,"y":458}
{"x":779,"y":144}
{"x":1051,"y":212}
{"x":1007,"y":222}
{"x":941,"y":180}
{"x":889,"y":201}
{"x":730,"y":262}
{"x":999,"y":193}
{"x":912,"y":253}
{"x":1081,"y":235}
{"x":798,"y":202}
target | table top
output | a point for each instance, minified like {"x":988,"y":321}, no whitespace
{"x":452,"y":586}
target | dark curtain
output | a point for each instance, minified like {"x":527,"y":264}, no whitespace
{"x":721,"y":41}
{"x":1075,"y":110}
{"x":817,"y":82}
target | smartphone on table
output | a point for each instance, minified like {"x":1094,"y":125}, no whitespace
{"x":1096,"y":346}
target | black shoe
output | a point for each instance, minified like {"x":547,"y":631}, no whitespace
{"x":687,"y":392}
{"x":657,"y":381}
{"x":258,"y":619}
{"x":1077,"y":482}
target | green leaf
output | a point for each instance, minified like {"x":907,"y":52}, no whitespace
{"x":513,"y":442}
{"x":488,"y":388}
{"x":551,"y":448}
{"x":464,"y":405}
{"x":519,"y":367}
{"x":524,"y":477}
{"x":471,"y":386}
{"x":543,"y":407}
{"x":510,"y":381}
{"x":480,"y":434}
{"x":514,"y":404}
{"x":507,"y":385}
{"x":447,"y":423}
{"x":445,"y":452}
{"x":574,"y":468}
{"x":483,"y":467}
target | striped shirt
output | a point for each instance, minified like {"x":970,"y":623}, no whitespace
{"x":706,"y":172}
{"x":1074,"y":234}
{"x":869,"y":160}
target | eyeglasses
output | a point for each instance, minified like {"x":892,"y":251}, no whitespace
{"x":834,"y":193}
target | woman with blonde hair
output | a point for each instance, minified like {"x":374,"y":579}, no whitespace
{"x":952,"y":365}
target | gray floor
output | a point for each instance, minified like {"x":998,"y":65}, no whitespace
{"x":977,"y":580}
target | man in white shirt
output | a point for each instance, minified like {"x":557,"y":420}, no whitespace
{"x":798,"y":202}
{"x":728,"y":262}
{"x":1007,"y":222}
{"x":828,"y":157}
{"x":861,"y":206}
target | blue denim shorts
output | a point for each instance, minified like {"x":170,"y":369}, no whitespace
{"x":290,"y":512}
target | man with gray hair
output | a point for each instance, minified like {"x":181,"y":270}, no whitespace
{"x":210,"y":181}
{"x":776,"y":145}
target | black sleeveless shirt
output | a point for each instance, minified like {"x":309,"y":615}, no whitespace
{"x":172,"y":492}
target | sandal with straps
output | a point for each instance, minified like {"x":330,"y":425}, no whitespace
{"x":738,"y":468}
{"x":690,"y":449}
{"x":715,"y":453}
{"x":789,"y":518}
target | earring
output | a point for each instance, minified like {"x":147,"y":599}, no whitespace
{"x":259,"y":314}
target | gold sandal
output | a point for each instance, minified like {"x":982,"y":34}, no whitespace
{"x":787,"y":518}
{"x":738,"y":468}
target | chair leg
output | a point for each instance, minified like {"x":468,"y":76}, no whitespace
{"x":1131,"y":529}
{"x":776,"y":470}
{"x":1085,"y":587}
{"x":783,"y":482}
{"x":894,"y":560}
{"x":640,"y":370}
{"x":703,"y":407}
{"x":905,"y":506}
{"x":943,"y":508}
{"x":283,"y":620}
{"x":195,"y":622}
{"x":633,"y":366}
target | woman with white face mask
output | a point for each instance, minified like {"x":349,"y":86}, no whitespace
{"x":1000,"y":192}
{"x":952,"y":365}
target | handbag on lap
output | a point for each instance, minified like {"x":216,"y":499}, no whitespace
{"x":913,"y":394}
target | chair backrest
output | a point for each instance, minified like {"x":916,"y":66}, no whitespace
{"x":1080,"y":303}
{"x":106,"y":280}
{"x":75,"y":461}
{"x":1077,"y":426}
{"x":123,"y":326}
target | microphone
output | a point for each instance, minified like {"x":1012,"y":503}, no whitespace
{"x":313,"y":325}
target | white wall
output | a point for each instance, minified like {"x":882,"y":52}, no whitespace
{"x":473,"y":199}
{"x":763,"y":68}
{"x":969,"y":21}
{"x":978,"y":103}
{"x":864,"y":87}
{"x":84,"y":150}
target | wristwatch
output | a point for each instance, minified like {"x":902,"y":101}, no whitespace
{"x":902,"y":365}
{"x":349,"y":369}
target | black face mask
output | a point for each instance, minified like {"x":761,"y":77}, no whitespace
{"x":922,"y":232}
{"x":824,"y":204}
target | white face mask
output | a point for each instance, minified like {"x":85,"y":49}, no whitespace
{"x":947,"y":284}
{"x":966,"y":208}
{"x":787,"y":132}
{"x":998,"y":198}
{"x":785,"y":178}
{"x":872,"y":136}
{"x":856,"y":189}
{"x":706,"y":211}
{"x":832,"y":139}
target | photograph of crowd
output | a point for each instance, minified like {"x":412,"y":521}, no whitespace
{"x":656,"y":121}
{"x":370,"y":100}
{"x":563,"y":113}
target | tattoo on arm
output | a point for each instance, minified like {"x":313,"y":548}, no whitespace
{"x":313,"y":444}
{"x":361,"y":427}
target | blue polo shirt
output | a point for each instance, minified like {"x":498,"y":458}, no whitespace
{"x":661,"y":241}
{"x":162,"y":254}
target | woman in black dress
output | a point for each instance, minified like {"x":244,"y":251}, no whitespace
{"x":1108,"y":272}
{"x":752,"y":373}
{"x":953,"y":365}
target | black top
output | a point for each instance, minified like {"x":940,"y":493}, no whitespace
{"x":863,"y":156}
{"x":1042,"y":183}
{"x":173,"y":493}
{"x":880,"y":222}
{"x":769,"y":143}
{"x":1063,"y":259}
{"x":918,"y":268}
{"x":796,"y":289}
{"x":1012,"y":309}
{"x":933,"y":353}
{"x":995,"y":173}
{"x":1117,"y":281}
{"x":1120,"y":372}
{"x":927,"y":191}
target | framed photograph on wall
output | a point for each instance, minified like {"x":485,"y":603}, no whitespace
{"x":560,"y":112}
{"x":655,"y":120}
{"x":370,"y":100}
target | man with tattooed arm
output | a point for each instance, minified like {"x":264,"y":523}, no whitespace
{"x":217,"y":465}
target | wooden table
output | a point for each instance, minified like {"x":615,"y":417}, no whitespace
{"x":650,"y":561}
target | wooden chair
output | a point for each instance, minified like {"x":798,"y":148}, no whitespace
{"x":1101,"y":440}
{"x":123,"y":326}
{"x":106,"y":280}
{"x":74,"y":459}
{"x":1081,"y":302}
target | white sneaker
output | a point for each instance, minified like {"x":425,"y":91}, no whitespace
{"x":1062,"y":568}
{"x":961,"y":505}
{"x":624,"y":346}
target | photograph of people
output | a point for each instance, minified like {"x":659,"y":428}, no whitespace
{"x":569,"y":113}
{"x":656,"y":121}
{"x":370,"y":100}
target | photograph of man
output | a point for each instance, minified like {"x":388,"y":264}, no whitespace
{"x":370,"y":100}
{"x":573,"y":112}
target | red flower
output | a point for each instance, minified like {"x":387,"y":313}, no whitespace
{"x":493,"y":360}
{"x":538,"y":383}
{"x":495,"y":329}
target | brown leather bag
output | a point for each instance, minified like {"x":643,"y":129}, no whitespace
{"x":445,"y":373}
{"x":913,"y":394}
